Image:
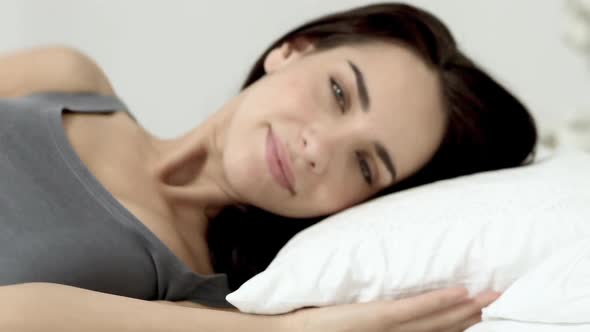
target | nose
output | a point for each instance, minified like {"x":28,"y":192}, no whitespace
{"x":319,"y":146}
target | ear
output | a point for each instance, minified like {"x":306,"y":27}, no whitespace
{"x":287,"y":52}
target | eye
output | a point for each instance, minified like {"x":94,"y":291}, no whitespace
{"x":364,"y":167}
{"x":338,"y":93}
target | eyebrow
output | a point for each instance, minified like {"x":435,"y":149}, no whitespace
{"x":365,"y":103}
{"x":386,"y":159}
{"x":361,"y":86}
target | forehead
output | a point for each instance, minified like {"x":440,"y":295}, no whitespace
{"x":406,"y":111}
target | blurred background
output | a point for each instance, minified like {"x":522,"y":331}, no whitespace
{"x":176,"y":61}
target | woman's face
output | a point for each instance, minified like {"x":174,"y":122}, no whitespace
{"x":349,"y":122}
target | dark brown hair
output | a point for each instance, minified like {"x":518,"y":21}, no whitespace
{"x":487,"y":127}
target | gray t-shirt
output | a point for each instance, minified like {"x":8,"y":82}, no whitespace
{"x":58,"y":224}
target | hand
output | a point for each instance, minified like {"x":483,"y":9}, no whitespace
{"x":446,"y":310}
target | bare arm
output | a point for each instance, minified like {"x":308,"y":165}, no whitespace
{"x":50,"y":69}
{"x":195,"y":305}
{"x":51,"y":307}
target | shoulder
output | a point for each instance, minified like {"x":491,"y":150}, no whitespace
{"x":51,"y":68}
{"x":85,"y":68}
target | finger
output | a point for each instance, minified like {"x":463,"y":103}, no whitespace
{"x":467,"y":323}
{"x":486,"y":298}
{"x":418,"y":306}
{"x":453,"y":316}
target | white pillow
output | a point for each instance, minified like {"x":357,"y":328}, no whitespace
{"x":481,"y":231}
{"x":557,"y":291}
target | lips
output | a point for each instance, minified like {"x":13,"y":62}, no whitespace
{"x":278,"y":162}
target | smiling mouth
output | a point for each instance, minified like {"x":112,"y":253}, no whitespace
{"x":275,"y":164}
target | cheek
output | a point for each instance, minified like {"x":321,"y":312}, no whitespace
{"x":242,"y":160}
{"x":294,"y":98}
{"x":282,"y":97}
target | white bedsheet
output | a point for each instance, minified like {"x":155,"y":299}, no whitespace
{"x":554,"y":296}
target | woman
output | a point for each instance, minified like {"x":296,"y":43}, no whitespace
{"x":99,"y":215}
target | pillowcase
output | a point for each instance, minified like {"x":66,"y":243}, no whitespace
{"x":481,"y":231}
{"x":554,"y":292}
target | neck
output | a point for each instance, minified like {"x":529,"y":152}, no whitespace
{"x":188,"y":171}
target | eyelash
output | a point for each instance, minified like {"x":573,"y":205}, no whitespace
{"x":339,"y":94}
{"x":365,"y":168}
{"x":340,"y":97}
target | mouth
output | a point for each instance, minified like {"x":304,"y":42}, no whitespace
{"x":278,"y":162}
